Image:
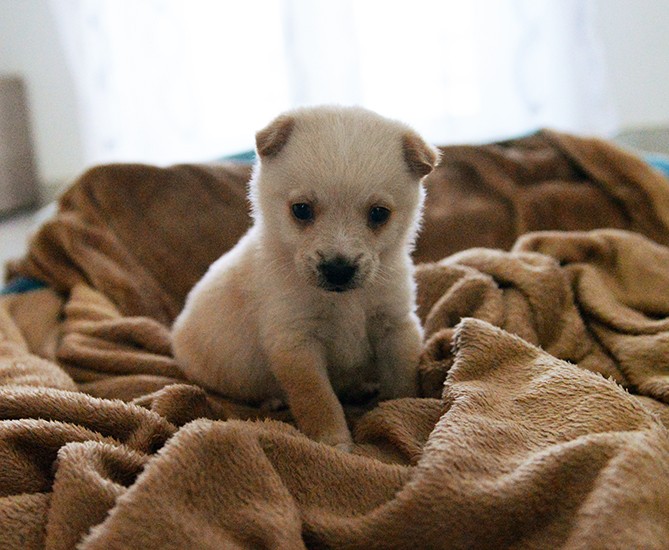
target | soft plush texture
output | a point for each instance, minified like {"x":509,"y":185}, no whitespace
{"x":545,"y":389}
{"x":597,"y":299}
{"x":144,"y":235}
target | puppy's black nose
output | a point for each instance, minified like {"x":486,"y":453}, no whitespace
{"x":337,"y":273}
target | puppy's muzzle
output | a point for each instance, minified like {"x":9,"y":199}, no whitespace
{"x":337,"y":274}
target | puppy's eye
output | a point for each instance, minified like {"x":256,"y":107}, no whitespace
{"x":302,"y":211}
{"x":378,"y":215}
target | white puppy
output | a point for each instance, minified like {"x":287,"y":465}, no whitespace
{"x":317,"y":299}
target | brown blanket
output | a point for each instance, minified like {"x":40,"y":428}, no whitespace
{"x":104,"y":444}
{"x":143,"y":235}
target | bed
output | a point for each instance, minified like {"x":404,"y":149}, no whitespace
{"x":543,"y":287}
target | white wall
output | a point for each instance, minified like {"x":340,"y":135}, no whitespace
{"x":30,"y":47}
{"x":635,"y":35}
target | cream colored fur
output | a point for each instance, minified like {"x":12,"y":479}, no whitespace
{"x":262,"y":325}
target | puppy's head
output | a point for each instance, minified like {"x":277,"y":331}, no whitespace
{"x":338,"y":192}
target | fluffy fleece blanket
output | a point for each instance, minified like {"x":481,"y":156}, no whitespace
{"x":543,"y":420}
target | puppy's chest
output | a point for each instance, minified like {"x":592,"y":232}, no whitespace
{"x":344,"y":332}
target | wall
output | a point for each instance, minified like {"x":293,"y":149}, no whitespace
{"x":30,"y":47}
{"x":633,"y":32}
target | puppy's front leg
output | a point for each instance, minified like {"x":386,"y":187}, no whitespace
{"x":302,"y":374}
{"x":397,"y":346}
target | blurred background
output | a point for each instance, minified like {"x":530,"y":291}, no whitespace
{"x":166,"y":81}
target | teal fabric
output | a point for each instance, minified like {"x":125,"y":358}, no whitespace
{"x":659,"y":162}
{"x":25,"y":284}
{"x":245,"y":157}
{"x":21,"y":285}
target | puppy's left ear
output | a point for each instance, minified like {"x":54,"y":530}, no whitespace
{"x":273,"y":138}
{"x":420,"y":157}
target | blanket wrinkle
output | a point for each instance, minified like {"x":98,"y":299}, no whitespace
{"x":598,"y":299}
{"x":630,"y":265}
{"x":531,"y":484}
{"x":488,"y":196}
{"x":526,"y":294}
{"x":622,"y":175}
{"x":399,"y":428}
{"x":178,"y":404}
{"x":534,"y":277}
{"x":23,"y":519}
{"x":98,"y":339}
{"x":552,"y":447}
{"x":280,"y":474}
{"x":264,"y":515}
{"x":36,"y":316}
{"x":134,"y":426}
{"x":479,"y":196}
{"x":129,"y":231}
{"x":28,"y":449}
{"x":126,"y":387}
{"x":543,"y":416}
{"x":626,"y":306}
{"x":90,"y":477}
{"x":17,"y":365}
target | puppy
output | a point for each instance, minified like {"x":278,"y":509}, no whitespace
{"x":317,"y":299}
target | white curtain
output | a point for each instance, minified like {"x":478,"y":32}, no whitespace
{"x":166,"y":81}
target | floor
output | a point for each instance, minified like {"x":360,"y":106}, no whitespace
{"x":14,"y":231}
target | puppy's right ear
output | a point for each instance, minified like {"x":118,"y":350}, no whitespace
{"x":420,"y":157}
{"x":270,"y":140}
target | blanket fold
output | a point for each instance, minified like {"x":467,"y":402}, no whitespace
{"x":598,"y":299}
{"x":143,"y":236}
{"x":504,"y":466}
{"x":544,"y":407}
{"x":129,"y":232}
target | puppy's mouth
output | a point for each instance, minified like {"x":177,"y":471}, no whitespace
{"x":336,"y":288}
